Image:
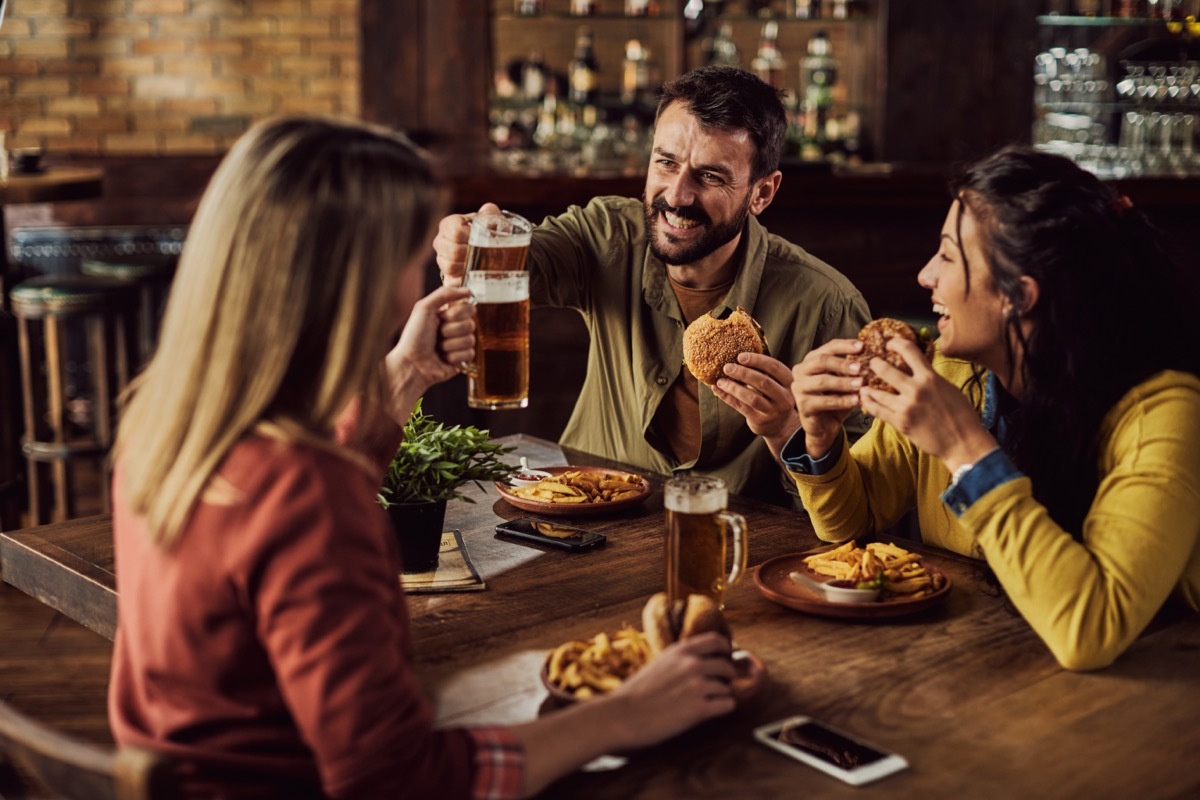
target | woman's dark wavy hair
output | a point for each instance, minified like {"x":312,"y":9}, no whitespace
{"x":727,"y":98}
{"x":1109,"y":312}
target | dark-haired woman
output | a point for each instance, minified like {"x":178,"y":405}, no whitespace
{"x":1056,"y":433}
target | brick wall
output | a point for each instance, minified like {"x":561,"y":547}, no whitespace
{"x":158,"y":77}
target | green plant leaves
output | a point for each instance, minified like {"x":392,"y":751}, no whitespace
{"x":434,"y":461}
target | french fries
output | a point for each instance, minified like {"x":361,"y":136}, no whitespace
{"x":580,"y":486}
{"x":902,"y":572}
{"x":589,"y":667}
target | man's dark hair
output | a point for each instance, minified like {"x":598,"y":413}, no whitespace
{"x":727,"y":98}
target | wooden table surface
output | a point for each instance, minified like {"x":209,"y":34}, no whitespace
{"x":965,"y":691}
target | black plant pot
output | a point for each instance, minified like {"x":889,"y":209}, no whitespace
{"x":418,"y":529}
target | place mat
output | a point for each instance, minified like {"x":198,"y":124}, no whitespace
{"x":455,"y":572}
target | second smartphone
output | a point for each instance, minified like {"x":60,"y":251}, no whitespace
{"x":549,"y":534}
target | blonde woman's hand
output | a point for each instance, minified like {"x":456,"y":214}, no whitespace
{"x":438,"y":336}
{"x":450,"y":244}
{"x":686,"y":684}
{"x":932,"y":412}
{"x":826,"y":389}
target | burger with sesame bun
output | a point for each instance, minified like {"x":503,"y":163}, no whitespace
{"x":710,"y":343}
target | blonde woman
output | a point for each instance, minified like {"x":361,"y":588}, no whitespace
{"x":263,"y":639}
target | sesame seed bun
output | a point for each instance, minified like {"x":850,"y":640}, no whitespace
{"x":709,"y":343}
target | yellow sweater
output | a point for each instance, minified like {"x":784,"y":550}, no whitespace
{"x":1087,"y":600}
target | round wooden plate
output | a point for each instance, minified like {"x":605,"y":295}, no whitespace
{"x":575,"y":509}
{"x":751,"y":674}
{"x":773,"y":582}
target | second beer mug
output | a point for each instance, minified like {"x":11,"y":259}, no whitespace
{"x":497,"y":250}
{"x":698,"y":529}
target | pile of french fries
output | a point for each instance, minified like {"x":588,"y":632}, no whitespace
{"x":580,"y":486}
{"x":588,"y":667}
{"x":902,"y":572}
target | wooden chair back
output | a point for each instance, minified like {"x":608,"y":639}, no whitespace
{"x":36,"y":761}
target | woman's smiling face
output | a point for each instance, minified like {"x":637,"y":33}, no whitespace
{"x":972,"y":314}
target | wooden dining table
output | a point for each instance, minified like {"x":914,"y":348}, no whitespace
{"x":964,"y":690}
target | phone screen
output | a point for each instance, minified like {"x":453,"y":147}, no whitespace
{"x":549,"y":534}
{"x":827,"y":749}
{"x":827,"y":745}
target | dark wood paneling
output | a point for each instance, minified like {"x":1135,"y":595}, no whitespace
{"x":958,"y":77}
{"x":426,"y":68}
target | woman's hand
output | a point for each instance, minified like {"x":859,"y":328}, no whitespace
{"x":932,"y":412}
{"x":687,"y":683}
{"x":825,"y":386}
{"x":437,"y":339}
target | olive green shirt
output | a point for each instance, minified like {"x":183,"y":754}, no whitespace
{"x":597,"y":261}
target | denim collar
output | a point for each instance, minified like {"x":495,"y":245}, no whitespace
{"x":995,"y":419}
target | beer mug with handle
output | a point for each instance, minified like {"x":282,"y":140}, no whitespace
{"x":496,"y":274}
{"x":699,"y":530}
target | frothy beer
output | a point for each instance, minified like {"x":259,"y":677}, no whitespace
{"x":696,"y":540}
{"x":497,"y":250}
{"x":499,"y":378}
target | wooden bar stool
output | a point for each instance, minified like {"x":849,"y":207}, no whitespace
{"x":65,"y":427}
{"x":151,"y":273}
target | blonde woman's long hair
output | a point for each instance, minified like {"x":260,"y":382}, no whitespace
{"x":283,"y":307}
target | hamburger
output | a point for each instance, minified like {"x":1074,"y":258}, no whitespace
{"x":875,"y":335}
{"x":710,"y":343}
{"x":664,"y":622}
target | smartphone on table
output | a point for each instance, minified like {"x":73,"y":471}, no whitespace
{"x":525,"y":530}
{"x":834,"y":752}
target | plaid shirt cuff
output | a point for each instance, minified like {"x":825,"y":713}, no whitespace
{"x":499,"y":764}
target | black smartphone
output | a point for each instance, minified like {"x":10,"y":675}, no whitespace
{"x":549,"y":534}
{"x":833,"y":752}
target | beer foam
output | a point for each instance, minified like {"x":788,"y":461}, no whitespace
{"x":498,"y":287}
{"x":496,"y":230}
{"x":695,"y":496}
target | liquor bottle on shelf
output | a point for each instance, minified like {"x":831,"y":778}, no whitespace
{"x":635,"y":73}
{"x":807,"y":9}
{"x":1128,"y":9}
{"x":768,"y":64}
{"x":533,"y":77}
{"x":1087,"y":8}
{"x":818,"y":76}
{"x":1172,"y":10}
{"x":583,"y":8}
{"x":640,"y":8}
{"x":722,"y":49}
{"x":840,"y":9}
{"x":528,"y":8}
{"x":583,"y":74}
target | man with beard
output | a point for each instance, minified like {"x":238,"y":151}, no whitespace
{"x":640,"y":272}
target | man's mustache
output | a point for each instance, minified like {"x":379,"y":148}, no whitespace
{"x":687,"y":212}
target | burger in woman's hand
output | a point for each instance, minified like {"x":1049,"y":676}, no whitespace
{"x":875,"y":335}
{"x":664,"y":622}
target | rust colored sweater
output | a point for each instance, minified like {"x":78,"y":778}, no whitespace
{"x":268,"y":650}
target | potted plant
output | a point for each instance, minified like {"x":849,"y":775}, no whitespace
{"x":433,"y":465}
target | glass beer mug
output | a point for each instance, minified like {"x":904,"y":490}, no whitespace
{"x":698,"y":532}
{"x":496,"y":274}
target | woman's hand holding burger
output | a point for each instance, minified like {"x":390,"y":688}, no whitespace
{"x":825,"y":386}
{"x":933,"y":413}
